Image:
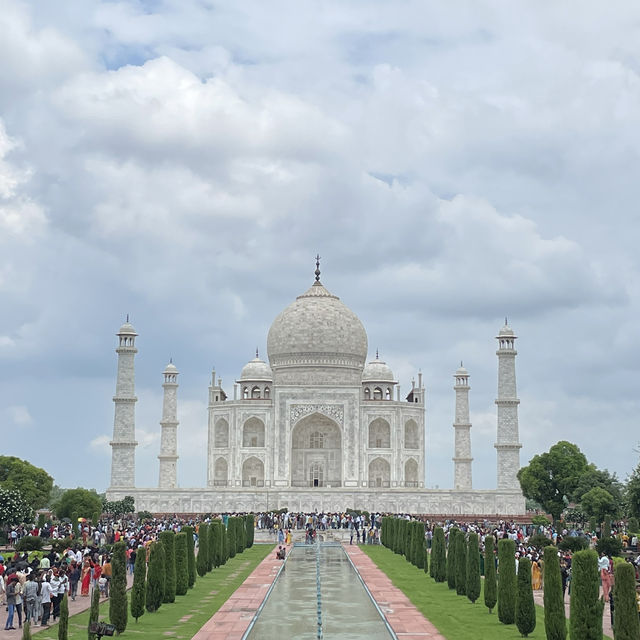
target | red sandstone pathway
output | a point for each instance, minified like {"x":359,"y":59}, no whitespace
{"x":235,"y":615}
{"x":406,"y":621}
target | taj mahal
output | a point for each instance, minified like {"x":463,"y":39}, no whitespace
{"x":319,"y":427}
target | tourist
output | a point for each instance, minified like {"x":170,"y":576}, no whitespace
{"x":29,"y":596}
{"x":45,"y":593}
{"x":74,"y":578}
{"x":606,"y":576}
{"x":106,"y":574}
{"x":11,"y":601}
{"x":86,"y":577}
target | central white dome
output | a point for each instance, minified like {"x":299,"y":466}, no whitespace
{"x":317,"y":329}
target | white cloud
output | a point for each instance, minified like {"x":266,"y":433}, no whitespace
{"x":19,"y":415}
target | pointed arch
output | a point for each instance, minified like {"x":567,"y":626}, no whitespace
{"x":379,"y":434}
{"x":253,"y":472}
{"x":379,"y":473}
{"x":411,"y":473}
{"x":411,"y":439}
{"x":221,"y":434}
{"x":253,"y":433}
{"x":220,"y":473}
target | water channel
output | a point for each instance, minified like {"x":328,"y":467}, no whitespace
{"x":318,"y":594}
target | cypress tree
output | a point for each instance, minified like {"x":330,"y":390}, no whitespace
{"x":555,"y":621}
{"x":155,"y":578}
{"x":191,"y":555}
{"x":452,"y":551}
{"x":118,"y":605}
{"x":211,"y":546}
{"x":139,"y":589}
{"x":490,"y":581}
{"x":525,"y":607}
{"x":425,"y":555}
{"x":231,"y":537}
{"x":414,"y":550}
{"x":203,"y":552}
{"x":438,"y":556}
{"x":26,"y":631}
{"x":585,"y":618}
{"x":182,"y":564}
{"x":63,"y":625}
{"x":461,"y":564}
{"x":225,"y":543}
{"x":94,"y":613}
{"x":240,"y":535}
{"x":507,"y":581}
{"x":249,"y":523}
{"x":625,"y":619}
{"x":473,"y":568}
{"x":606,"y":528}
{"x":168,"y":543}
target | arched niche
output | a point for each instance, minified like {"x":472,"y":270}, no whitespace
{"x":379,"y":434}
{"x":411,"y":439}
{"x":379,"y":473}
{"x":253,"y":472}
{"x":411,"y":473}
{"x":220,"y":473}
{"x":253,"y":433}
{"x":221,"y":435}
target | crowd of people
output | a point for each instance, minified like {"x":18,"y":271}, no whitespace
{"x":33,"y":587}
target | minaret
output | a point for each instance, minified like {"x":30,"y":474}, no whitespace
{"x":123,"y":445}
{"x":169,"y":423}
{"x":507,"y":444}
{"x":462,"y":453}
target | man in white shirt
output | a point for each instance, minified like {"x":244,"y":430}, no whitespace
{"x":45,"y":593}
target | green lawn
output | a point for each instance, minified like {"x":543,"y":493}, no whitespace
{"x":454,"y":616}
{"x":201,"y":602}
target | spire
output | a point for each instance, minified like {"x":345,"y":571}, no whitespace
{"x":257,"y":354}
{"x":377,"y":355}
{"x":317,"y":272}
{"x":127,"y":317}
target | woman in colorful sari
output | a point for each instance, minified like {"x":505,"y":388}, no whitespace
{"x":86,"y":577}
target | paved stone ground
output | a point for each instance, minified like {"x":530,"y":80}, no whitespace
{"x":75,"y":606}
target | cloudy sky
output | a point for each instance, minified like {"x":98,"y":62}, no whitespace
{"x":183,"y":161}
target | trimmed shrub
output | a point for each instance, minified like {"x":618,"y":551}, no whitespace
{"x":555,"y":621}
{"x":452,"y":550}
{"x":30,"y":543}
{"x":191,"y":555}
{"x":632,"y":525}
{"x":203,"y":551}
{"x":539,"y":541}
{"x":425,"y":555}
{"x":573,"y":544}
{"x":540,"y":520}
{"x":461,"y":564}
{"x":585,"y":621}
{"x":249,"y":524}
{"x":231,"y":538}
{"x":490,"y":580}
{"x":168,"y":543}
{"x":60,"y":544}
{"x":240,"y":534}
{"x":438,"y":556}
{"x":63,"y":624}
{"x":26,"y":630}
{"x":182,"y":564}
{"x":218,"y":550}
{"x":118,"y":605}
{"x":593,"y":524}
{"x":139,"y":589}
{"x":606,"y":528}
{"x":625,"y":620}
{"x":211,"y":547}
{"x":473,"y":568}
{"x":506,"y":581}
{"x":225,"y":544}
{"x":94,"y":613}
{"x":525,"y":607}
{"x":155,"y":577}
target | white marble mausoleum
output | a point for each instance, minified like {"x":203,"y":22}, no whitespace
{"x":317,"y":427}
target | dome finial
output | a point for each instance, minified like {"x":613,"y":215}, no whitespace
{"x":171,"y":360}
{"x":506,"y":321}
{"x":377,"y":356}
{"x":257,"y":356}
{"x":317,"y":272}
{"x":127,"y":317}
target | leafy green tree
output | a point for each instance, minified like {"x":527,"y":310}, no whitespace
{"x":632,"y":525}
{"x":632,"y":494}
{"x":13,"y":508}
{"x":611,"y":546}
{"x":473,"y":568}
{"x":203,"y":552}
{"x":168,"y":543}
{"x":438,"y":556}
{"x":598,"y":502}
{"x":585,"y":621}
{"x":63,"y":624}
{"x":94,"y":613}
{"x":155,"y":577}
{"x":625,"y":620}
{"x":490,"y":581}
{"x":139,"y":589}
{"x":461,"y":564}
{"x":551,"y":478}
{"x":452,"y":550}
{"x":525,"y":607}
{"x":118,"y":508}
{"x":182,"y":564}
{"x":33,"y":483}
{"x":506,"y":581}
{"x":555,"y":621}
{"x":118,"y":605}
{"x":83,"y":502}
{"x":191,"y":555}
